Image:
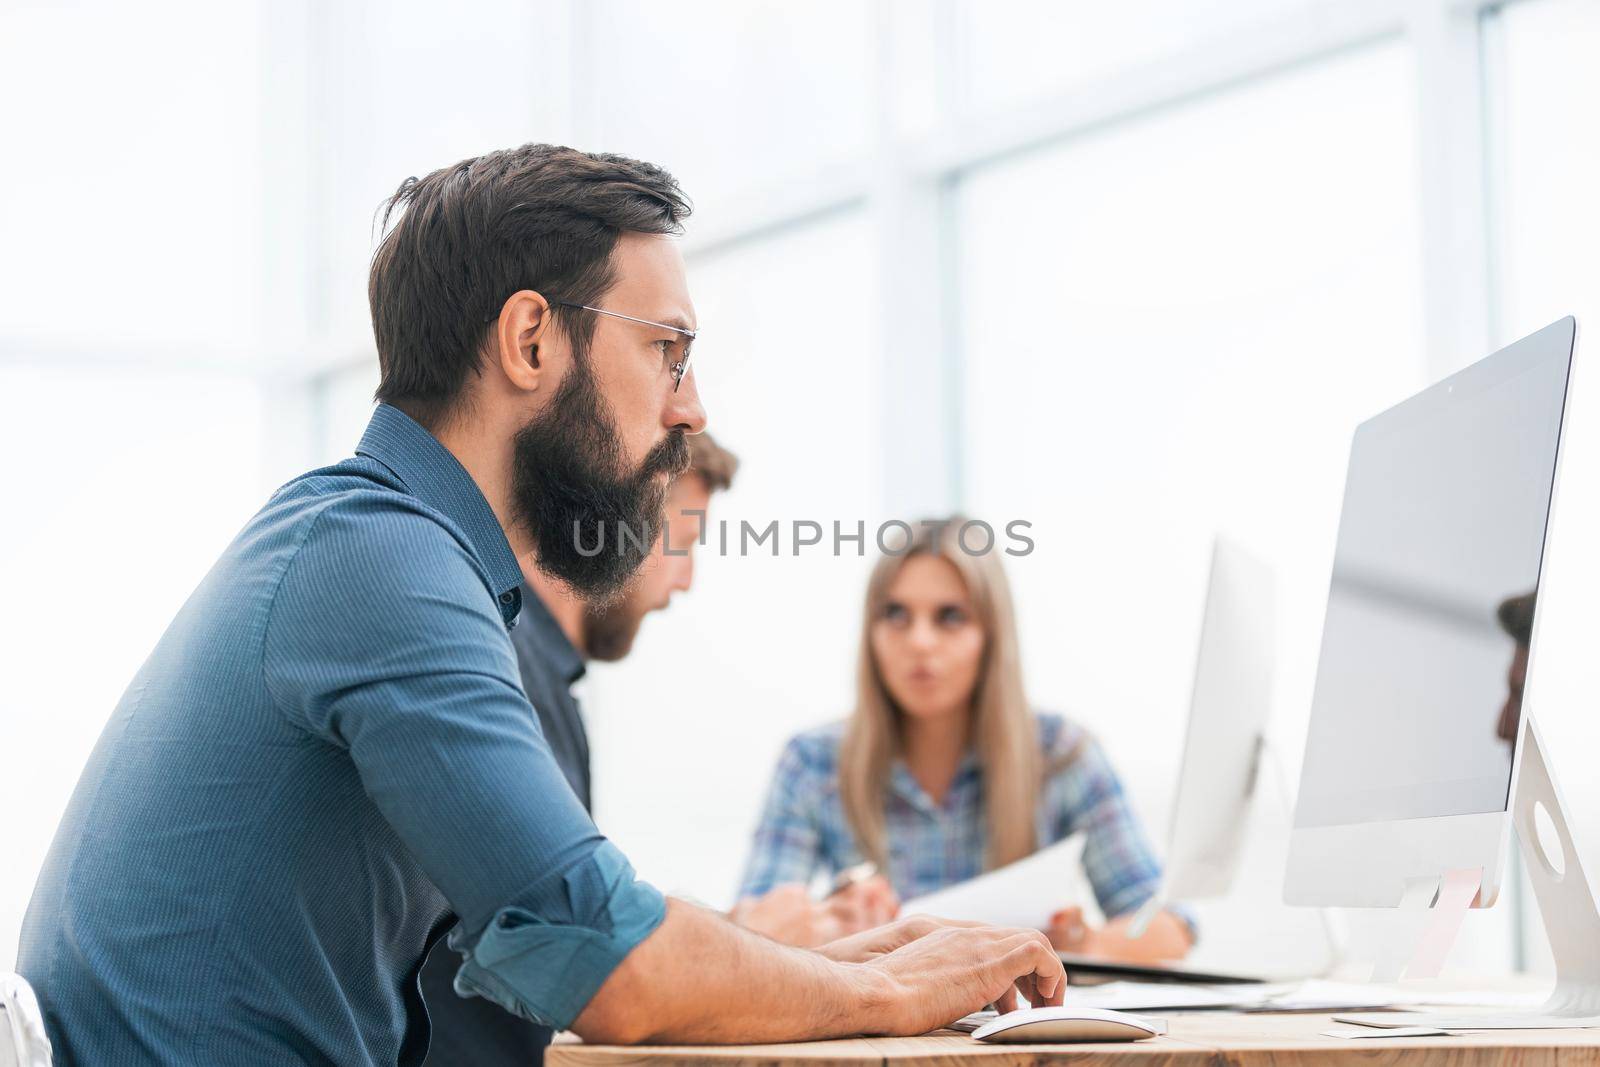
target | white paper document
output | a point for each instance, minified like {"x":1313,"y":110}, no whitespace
{"x":1404,"y":1031}
{"x":1025,"y":893}
{"x":1312,"y":995}
{"x":1165,"y":996}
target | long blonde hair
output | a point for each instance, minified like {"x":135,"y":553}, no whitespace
{"x":1003,"y":728}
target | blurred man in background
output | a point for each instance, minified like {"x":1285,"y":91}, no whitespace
{"x":1515,"y":615}
{"x":556,"y":636}
{"x":554,"y":640}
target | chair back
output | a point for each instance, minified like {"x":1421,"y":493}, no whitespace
{"x":23,"y":1042}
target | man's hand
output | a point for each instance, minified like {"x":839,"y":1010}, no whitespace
{"x":699,"y":979}
{"x":882,"y":940}
{"x":952,"y":971}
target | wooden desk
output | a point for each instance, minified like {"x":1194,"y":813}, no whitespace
{"x":1194,"y":1040}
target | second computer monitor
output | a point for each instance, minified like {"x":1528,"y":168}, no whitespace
{"x":1228,"y":711}
{"x":1222,"y":750}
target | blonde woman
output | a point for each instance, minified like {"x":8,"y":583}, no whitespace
{"x":943,"y":770}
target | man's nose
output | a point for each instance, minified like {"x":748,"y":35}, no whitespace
{"x":684,"y":410}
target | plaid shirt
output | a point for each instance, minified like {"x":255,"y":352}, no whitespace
{"x":803,"y":828}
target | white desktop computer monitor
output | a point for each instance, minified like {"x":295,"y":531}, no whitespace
{"x":1407,"y":769}
{"x":1222,"y":751}
{"x":1417,"y":725}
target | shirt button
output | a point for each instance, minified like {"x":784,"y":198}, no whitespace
{"x":505,"y":598}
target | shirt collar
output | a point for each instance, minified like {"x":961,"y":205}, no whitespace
{"x":542,"y":635}
{"x":439,"y":480}
{"x":968,"y":774}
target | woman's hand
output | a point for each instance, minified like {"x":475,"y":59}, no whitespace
{"x":1068,"y":932}
{"x":787,"y":914}
{"x":1167,"y":937}
{"x":864,"y":904}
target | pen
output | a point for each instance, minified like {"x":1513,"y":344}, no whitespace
{"x":852,"y":876}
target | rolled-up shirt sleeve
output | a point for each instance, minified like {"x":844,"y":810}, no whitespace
{"x":384,"y":641}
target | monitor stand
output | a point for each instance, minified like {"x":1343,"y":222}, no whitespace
{"x":1269,"y":757}
{"x":1566,"y":905}
{"x":1158,"y":901}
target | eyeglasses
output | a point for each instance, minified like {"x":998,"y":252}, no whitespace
{"x":679,"y":368}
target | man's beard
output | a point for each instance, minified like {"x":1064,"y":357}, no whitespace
{"x":592,"y":521}
{"x":609,"y":628}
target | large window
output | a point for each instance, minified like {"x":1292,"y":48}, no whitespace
{"x":1017,"y":50}
{"x":122,"y":487}
{"x":764,"y":645}
{"x":131,"y":175}
{"x":344,"y":405}
{"x":729,"y":97}
{"x":1130,"y":272}
{"x":1170,"y":330}
{"x":1548,"y":159}
{"x":399,"y":88}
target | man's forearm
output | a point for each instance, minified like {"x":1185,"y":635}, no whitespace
{"x":699,"y":978}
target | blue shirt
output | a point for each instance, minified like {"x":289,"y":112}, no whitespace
{"x":470,"y":1030}
{"x":803,"y":828}
{"x":327,"y":754}
{"x":549,"y":666}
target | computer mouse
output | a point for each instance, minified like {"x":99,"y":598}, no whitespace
{"x":1066,"y":1024}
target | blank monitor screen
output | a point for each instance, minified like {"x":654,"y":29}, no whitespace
{"x":1430,"y":611}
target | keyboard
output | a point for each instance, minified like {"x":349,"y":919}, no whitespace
{"x":969,"y":1023}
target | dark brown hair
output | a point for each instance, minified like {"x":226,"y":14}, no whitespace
{"x":715,"y":465}
{"x":538,"y":217}
{"x":1516,"y":618}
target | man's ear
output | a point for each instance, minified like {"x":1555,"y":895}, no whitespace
{"x":523,"y":325}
